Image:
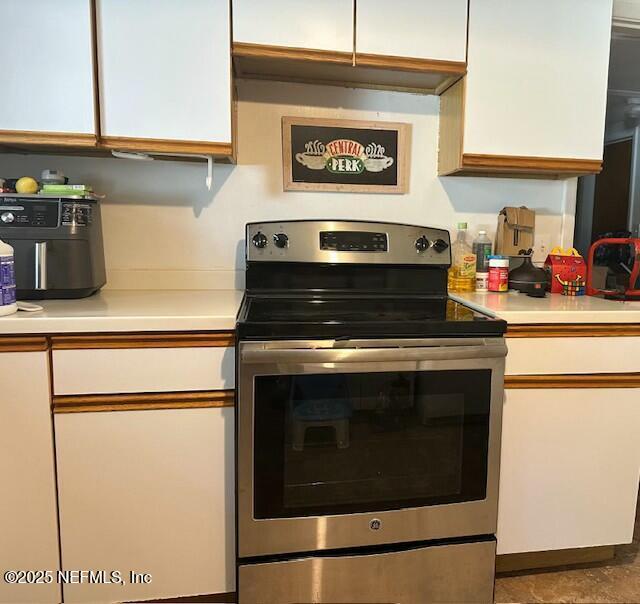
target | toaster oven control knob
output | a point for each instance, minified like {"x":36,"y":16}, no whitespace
{"x":7,"y":217}
{"x":440,"y":245}
{"x":281,"y":240}
{"x":259,"y":240}
{"x":422,"y":244}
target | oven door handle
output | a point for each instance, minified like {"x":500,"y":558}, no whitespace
{"x":372,"y":355}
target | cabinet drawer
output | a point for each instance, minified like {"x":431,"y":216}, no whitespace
{"x":96,"y":371}
{"x":540,"y":356}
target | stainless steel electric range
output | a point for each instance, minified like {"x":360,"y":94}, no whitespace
{"x":368,"y":424}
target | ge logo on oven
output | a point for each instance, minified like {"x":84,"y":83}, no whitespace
{"x":375,"y":524}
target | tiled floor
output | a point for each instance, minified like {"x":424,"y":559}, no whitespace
{"x":615,"y":581}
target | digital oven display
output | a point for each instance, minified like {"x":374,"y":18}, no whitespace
{"x":353,"y":241}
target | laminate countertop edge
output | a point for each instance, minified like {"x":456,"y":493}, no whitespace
{"x":516,"y":308}
{"x":114,"y":311}
{"x":120,"y":311}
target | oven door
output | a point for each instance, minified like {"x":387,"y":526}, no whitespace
{"x":350,"y":443}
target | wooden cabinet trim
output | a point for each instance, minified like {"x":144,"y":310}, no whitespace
{"x":23,"y":343}
{"x":157,"y":145}
{"x":572,"y":381}
{"x":108,"y":143}
{"x":456,"y":68}
{"x":288,"y":53}
{"x":573,"y":330}
{"x":359,"y":70}
{"x":144,"y":340}
{"x":521,"y":164}
{"x":62,"y":139}
{"x":93,"y":403}
{"x":451,"y":131}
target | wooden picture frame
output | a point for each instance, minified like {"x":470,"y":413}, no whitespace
{"x":320,"y":154}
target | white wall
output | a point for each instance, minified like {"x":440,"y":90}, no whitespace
{"x":164,"y":229}
{"x":626,"y":12}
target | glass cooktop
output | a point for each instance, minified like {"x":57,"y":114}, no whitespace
{"x":291,"y":317}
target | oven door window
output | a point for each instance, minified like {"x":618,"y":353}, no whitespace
{"x":360,"y":442}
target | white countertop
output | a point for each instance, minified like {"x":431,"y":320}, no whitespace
{"x":514,"y":308}
{"x":210,"y":310}
{"x":130,"y":310}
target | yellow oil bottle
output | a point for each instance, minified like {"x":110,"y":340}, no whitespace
{"x":462,"y":274}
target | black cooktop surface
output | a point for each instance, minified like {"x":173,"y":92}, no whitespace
{"x":289,"y":317}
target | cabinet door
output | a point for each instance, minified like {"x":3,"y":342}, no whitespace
{"x":150,"y":492}
{"x":537,"y":78}
{"x":430,"y":29}
{"x":165,"y":70}
{"x":28,"y":514}
{"x":47,"y":66}
{"x":326,"y":25}
{"x":569,"y":468}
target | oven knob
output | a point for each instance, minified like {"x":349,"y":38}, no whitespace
{"x":7,"y":217}
{"x":281,"y":240}
{"x":440,"y":245}
{"x":259,"y":240}
{"x":422,"y":244}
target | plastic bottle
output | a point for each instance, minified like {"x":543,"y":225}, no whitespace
{"x":462,"y":274}
{"x":7,"y":280}
{"x":498,"y":274}
{"x":482,"y":249}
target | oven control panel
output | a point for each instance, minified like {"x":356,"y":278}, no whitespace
{"x":353,"y":241}
{"x":350,"y":242}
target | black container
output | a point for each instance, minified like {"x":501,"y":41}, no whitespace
{"x":528,"y":279}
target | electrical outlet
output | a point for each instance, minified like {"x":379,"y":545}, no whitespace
{"x":540,"y":248}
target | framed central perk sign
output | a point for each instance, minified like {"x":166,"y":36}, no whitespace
{"x":345,"y":155}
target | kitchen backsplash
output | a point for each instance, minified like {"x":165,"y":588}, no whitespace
{"x":164,"y":229}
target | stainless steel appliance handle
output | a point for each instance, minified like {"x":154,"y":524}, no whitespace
{"x":495,"y":349}
{"x":40,"y":273}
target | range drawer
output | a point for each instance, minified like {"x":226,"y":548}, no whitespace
{"x":121,"y":364}
{"x":460,"y":572}
{"x":570,"y":355}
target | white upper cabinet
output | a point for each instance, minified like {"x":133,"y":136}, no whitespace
{"x":165,"y":69}
{"x":47,"y":66}
{"x":537,"y":78}
{"x":429,"y":29}
{"x":326,"y":25}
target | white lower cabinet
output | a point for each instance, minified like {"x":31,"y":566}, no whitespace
{"x":28,"y":522}
{"x":569,"y":469}
{"x":150,"y":492}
